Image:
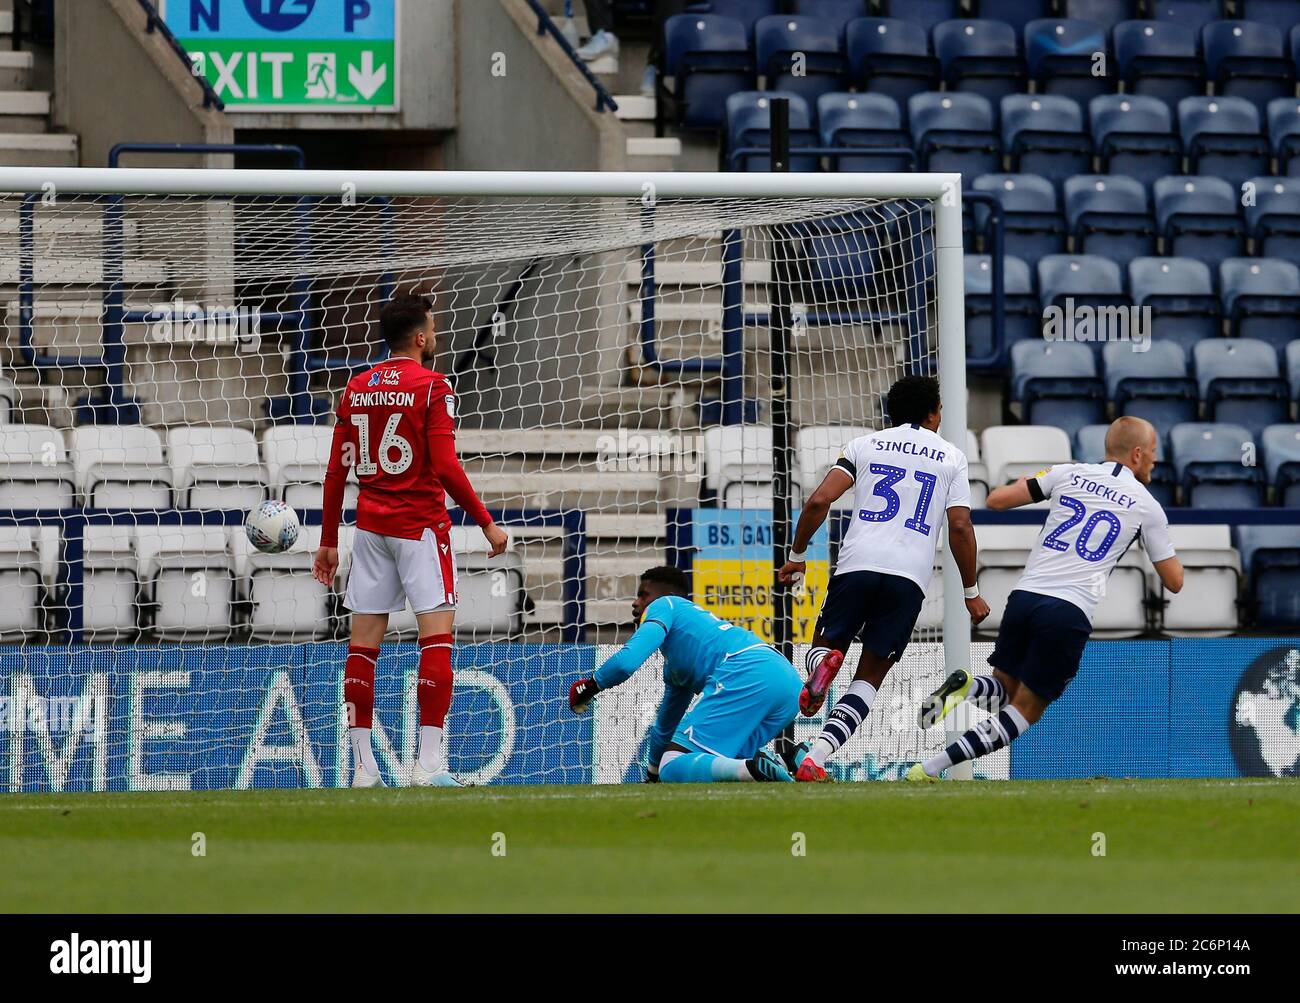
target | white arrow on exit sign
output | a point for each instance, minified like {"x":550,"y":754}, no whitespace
{"x":367,"y":80}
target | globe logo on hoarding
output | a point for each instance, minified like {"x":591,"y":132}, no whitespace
{"x":1264,"y":726}
{"x":279,"y":15}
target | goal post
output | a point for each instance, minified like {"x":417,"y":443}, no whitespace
{"x":612,"y":397}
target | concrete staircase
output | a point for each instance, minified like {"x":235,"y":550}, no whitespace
{"x":621,"y":76}
{"x":26,"y":139}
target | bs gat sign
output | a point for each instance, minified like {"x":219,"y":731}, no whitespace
{"x":292,"y":55}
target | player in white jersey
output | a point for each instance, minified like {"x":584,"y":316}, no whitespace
{"x":906,"y":481}
{"x":1098,"y":510}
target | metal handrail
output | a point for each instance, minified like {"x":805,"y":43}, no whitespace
{"x":294,"y":152}
{"x":547,"y":26}
{"x":154,"y":23}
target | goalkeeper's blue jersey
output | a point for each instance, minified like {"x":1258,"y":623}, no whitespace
{"x":694,"y":644}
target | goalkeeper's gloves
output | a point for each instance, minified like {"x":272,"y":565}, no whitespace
{"x":652,"y":774}
{"x":581,"y":693}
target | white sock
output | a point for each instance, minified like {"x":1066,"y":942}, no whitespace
{"x":363,"y":752}
{"x":431,"y":749}
{"x":850,"y":711}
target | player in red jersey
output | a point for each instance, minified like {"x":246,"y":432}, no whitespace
{"x":396,"y":428}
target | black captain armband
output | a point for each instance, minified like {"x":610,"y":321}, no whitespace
{"x":1035,"y":489}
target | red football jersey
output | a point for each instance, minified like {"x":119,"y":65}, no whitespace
{"x":399,"y":419}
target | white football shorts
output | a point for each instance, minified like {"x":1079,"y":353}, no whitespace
{"x":388,"y":571}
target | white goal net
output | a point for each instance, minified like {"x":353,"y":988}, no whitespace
{"x":172,"y":359}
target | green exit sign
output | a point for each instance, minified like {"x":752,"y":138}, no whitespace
{"x":293,"y":55}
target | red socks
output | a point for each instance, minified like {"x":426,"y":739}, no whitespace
{"x":359,"y":685}
{"x":435,"y":679}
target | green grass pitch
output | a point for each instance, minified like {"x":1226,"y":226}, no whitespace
{"x":1171,"y":846}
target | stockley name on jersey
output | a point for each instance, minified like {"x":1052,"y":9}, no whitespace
{"x":1082,"y":482}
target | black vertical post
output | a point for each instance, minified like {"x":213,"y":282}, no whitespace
{"x":780,"y":321}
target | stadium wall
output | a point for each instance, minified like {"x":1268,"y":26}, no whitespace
{"x":102,"y":53}
{"x":218,"y":717}
{"x":505,"y":72}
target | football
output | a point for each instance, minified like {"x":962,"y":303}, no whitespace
{"x":272,"y":527}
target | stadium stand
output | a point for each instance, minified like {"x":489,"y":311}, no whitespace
{"x":1119,"y":188}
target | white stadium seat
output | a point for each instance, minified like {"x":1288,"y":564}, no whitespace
{"x":34,"y":468}
{"x":215,"y":467}
{"x":1003,"y":551}
{"x":284,"y":600}
{"x":817,"y":448}
{"x":186,"y":572}
{"x":121,"y":466}
{"x":1012,"y":451}
{"x":978,"y":472}
{"x":296,"y":457}
{"x":110,"y":582}
{"x":20,"y":582}
{"x":1207,"y":605}
{"x":1122,"y":613}
{"x":738,"y":466}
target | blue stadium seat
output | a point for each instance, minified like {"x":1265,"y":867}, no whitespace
{"x":1110,"y":216}
{"x":1032,"y":223}
{"x":1090,"y":443}
{"x":747,"y":12}
{"x":1284,"y":133}
{"x":1223,"y":138}
{"x":1273,"y":217}
{"x":1016,"y":13}
{"x":1084,"y":278}
{"x":1207,"y":459}
{"x":862,"y":123}
{"x":708,"y":58}
{"x":955,"y":132}
{"x":749,"y":126}
{"x":800,"y":55}
{"x":1106,"y":13}
{"x":1057,"y":384}
{"x":979,"y":57}
{"x":1240,"y":382}
{"x":1151,"y":384}
{"x":1090,"y":447}
{"x":1195,"y":14}
{"x":1281,"y":14}
{"x":1134,"y":136}
{"x":1281,"y":448}
{"x":889,"y":56}
{"x":924,"y":13}
{"x":1044,"y":134}
{"x":1022,"y":318}
{"x":1246,"y":59}
{"x":1159,"y":59}
{"x":1062,"y":58}
{"x":1270,"y":555}
{"x":1293,"y":368}
{"x":836,"y":13}
{"x":1180,"y":293}
{"x":1197,"y":217}
{"x":1261,"y":298}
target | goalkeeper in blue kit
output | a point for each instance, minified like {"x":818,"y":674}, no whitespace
{"x":748,"y":692}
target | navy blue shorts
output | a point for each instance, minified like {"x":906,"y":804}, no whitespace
{"x":1041,"y":642}
{"x":877,"y":609}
